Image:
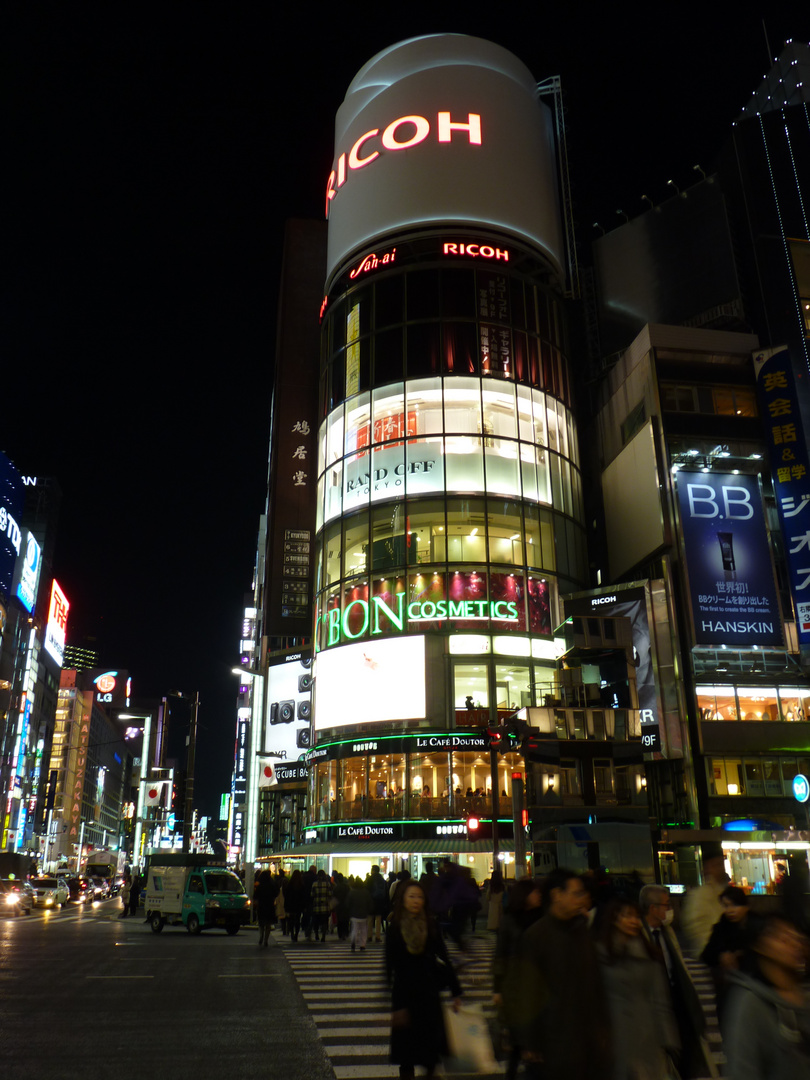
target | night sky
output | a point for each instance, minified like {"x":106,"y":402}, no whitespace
{"x":151,"y":157}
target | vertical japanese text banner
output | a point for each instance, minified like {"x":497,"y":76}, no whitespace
{"x":790,"y":469}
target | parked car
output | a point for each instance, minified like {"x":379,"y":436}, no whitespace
{"x":15,"y":897}
{"x":50,"y":892}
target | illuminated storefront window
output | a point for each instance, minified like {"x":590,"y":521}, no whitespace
{"x":414,"y":786}
{"x":755,"y":777}
{"x":753,"y":703}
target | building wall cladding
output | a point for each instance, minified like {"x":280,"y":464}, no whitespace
{"x":449,"y":505}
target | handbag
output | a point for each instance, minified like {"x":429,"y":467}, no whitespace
{"x":468,"y":1040}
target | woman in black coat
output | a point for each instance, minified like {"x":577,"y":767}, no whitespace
{"x":419,"y":969}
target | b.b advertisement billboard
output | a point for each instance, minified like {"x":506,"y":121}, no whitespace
{"x":728,"y":560}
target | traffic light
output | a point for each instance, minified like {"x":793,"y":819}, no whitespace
{"x":530,"y":746}
{"x":472,"y":825}
{"x":495,"y":738}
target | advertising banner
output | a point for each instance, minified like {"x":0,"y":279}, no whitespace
{"x":728,"y":560}
{"x":790,"y":472}
{"x":56,"y":628}
{"x":111,"y":687}
{"x":630,"y":603}
{"x":370,"y":682}
{"x":11,"y":507}
{"x":26,"y":575}
{"x":289,"y":707}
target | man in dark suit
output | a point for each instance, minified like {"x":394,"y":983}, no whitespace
{"x":656,"y":912}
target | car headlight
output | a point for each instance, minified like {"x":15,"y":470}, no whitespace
{"x":12,"y":898}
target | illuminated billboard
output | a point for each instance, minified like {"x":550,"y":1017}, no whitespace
{"x":790,"y":471}
{"x":56,"y":628}
{"x":11,"y":505}
{"x":26,"y":576}
{"x":110,"y":687}
{"x":728,"y":560}
{"x":444,"y":128}
{"x":289,"y":706}
{"x":371,"y":682}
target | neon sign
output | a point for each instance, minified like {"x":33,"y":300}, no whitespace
{"x":372,"y":261}
{"x":390,"y":139}
{"x":476,"y":251}
{"x":340,"y":624}
{"x":57,"y":624}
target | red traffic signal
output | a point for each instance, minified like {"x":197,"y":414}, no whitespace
{"x":472,"y":824}
{"x":495,"y":737}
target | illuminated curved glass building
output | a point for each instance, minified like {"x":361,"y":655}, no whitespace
{"x":450,"y":512}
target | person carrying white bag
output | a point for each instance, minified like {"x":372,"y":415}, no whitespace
{"x":418,"y":969}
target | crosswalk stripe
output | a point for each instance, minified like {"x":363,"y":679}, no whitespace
{"x":343,"y":990}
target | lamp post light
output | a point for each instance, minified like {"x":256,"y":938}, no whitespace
{"x":147,"y":738}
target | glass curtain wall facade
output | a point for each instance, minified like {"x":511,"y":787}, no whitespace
{"x":449,"y":508}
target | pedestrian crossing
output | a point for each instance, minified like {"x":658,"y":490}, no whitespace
{"x":350,"y":1001}
{"x":704,"y":984}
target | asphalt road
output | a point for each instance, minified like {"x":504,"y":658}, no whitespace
{"x":85,"y":994}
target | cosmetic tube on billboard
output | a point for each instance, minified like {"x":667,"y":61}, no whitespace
{"x":726,"y":542}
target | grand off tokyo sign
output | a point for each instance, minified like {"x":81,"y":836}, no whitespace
{"x":401,"y":134}
{"x":344,"y":625}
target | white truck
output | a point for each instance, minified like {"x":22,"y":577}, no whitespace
{"x":198,"y":895}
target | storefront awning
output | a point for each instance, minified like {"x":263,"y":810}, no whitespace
{"x":450,"y":846}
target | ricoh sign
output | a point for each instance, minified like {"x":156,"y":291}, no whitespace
{"x":447,"y":129}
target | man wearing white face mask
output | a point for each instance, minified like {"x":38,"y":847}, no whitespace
{"x":656,"y":911}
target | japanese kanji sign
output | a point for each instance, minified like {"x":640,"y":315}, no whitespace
{"x":789,"y":467}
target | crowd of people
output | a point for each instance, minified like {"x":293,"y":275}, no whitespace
{"x":589,"y":979}
{"x":356,"y":909}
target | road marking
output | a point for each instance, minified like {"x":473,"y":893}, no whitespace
{"x":119,"y":976}
{"x":247,"y":975}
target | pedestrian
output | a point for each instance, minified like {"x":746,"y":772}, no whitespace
{"x":563,"y":987}
{"x":307,"y":881}
{"x":138,"y":882}
{"x":294,"y":903}
{"x":400,"y":878}
{"x":656,"y":914}
{"x":265,"y":907}
{"x":507,"y":968}
{"x":360,"y":905}
{"x":702,"y":907}
{"x":428,"y":879}
{"x":418,"y":969}
{"x":379,"y":896}
{"x":644,"y":1034}
{"x":320,"y":900}
{"x":767,"y":1034}
{"x":278,"y":904}
{"x":730,"y":945}
{"x":124,"y":892}
{"x":494,"y":898}
{"x":340,"y":900}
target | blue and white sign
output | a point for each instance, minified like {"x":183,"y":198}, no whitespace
{"x":790,"y":470}
{"x":11,"y":506}
{"x":801,"y":788}
{"x":728,"y":560}
{"x":28,"y":572}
